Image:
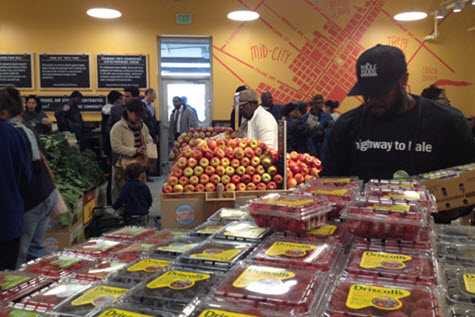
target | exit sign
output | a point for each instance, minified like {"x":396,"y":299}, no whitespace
{"x":183,"y":18}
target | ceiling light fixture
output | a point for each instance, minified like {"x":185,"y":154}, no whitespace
{"x":458,"y":6}
{"x":410,"y":16}
{"x":473,"y":2}
{"x":104,"y":13}
{"x":243,"y":15}
{"x":441,"y":13}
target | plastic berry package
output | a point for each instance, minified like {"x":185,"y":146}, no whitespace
{"x":130,"y":233}
{"x":124,"y":310}
{"x":461,"y":310}
{"x":455,"y":234}
{"x":394,"y":184}
{"x":15,"y":284}
{"x":215,"y":255}
{"x":17,"y":312}
{"x":295,"y":252}
{"x":226,"y":309}
{"x":59,"y":265}
{"x":208,"y":229}
{"x":418,"y":197}
{"x":361,"y":298}
{"x":459,"y":284}
{"x":173,"y":289}
{"x":227,"y":215}
{"x":139,"y":271}
{"x":99,"y":247}
{"x":456,"y":253}
{"x":290,"y":212}
{"x":177,"y":247}
{"x":90,"y":300}
{"x":49,"y":297}
{"x":399,"y":266}
{"x":375,"y":219}
{"x":100,"y":271}
{"x":246,"y":231}
{"x":396,"y":246}
{"x":272,"y":286}
{"x":134,"y":251}
{"x":342,"y":182}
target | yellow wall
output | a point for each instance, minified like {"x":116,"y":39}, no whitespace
{"x":259,"y":53}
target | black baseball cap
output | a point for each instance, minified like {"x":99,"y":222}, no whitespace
{"x":378,"y":70}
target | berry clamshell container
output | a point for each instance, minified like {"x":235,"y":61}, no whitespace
{"x":245,"y":231}
{"x":99,"y":248}
{"x":290,"y":212}
{"x":329,"y":232}
{"x":227,"y":215}
{"x":176,"y":247}
{"x":215,"y":255}
{"x":130,"y":233}
{"x":394,"y":184}
{"x":456,"y":253}
{"x":207,"y":229}
{"x":337,"y":182}
{"x":53,"y":295}
{"x":134,"y":251}
{"x":274,"y":287}
{"x":17,"y":312}
{"x":455,"y":234}
{"x":173,"y":289}
{"x":100,"y":271}
{"x":363,"y":297}
{"x":90,"y":300}
{"x":59,"y":265}
{"x":212,"y":308}
{"x":418,"y":197}
{"x":376,"y":219}
{"x":459,"y":284}
{"x":139,"y":271}
{"x":393,"y":265}
{"x":15,"y":285}
{"x":125,"y":310}
{"x":298,"y":252}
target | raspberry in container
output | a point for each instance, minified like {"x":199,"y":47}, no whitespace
{"x":90,"y":300}
{"x":139,"y":271}
{"x":290,"y":212}
{"x":99,"y":247}
{"x":17,"y":312}
{"x":456,"y":253}
{"x":246,"y":231}
{"x":375,"y":219}
{"x":125,"y":310}
{"x":385,"y":263}
{"x":130,"y":233}
{"x":15,"y":284}
{"x":59,"y":265}
{"x":215,"y":255}
{"x":51,"y":296}
{"x":100,"y":271}
{"x":225,"y":309}
{"x":177,"y":247}
{"x":227,"y":215}
{"x":361,"y":298}
{"x":295,"y":252}
{"x":455,"y":234}
{"x":135,"y":251}
{"x":208,"y":229}
{"x":272,"y":286}
{"x":459,"y":283}
{"x":173,"y":289}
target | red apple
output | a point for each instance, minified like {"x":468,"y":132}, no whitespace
{"x":260,"y":169}
{"x":215,"y":179}
{"x":248,"y":152}
{"x":251,"y":186}
{"x":241,"y":170}
{"x":210,"y":170}
{"x":278,"y":179}
{"x":204,"y":179}
{"x":232,"y":143}
{"x":235,"y":163}
{"x":225,"y":179}
{"x":220,"y":153}
{"x":208,"y":154}
{"x":204,"y":162}
{"x":200,"y":188}
{"x":274,"y":154}
{"x":177,"y":172}
{"x":183,"y":180}
{"x":238,"y":153}
{"x":241,"y":187}
{"x":251,"y":170}
{"x":236,"y":179}
{"x":261,"y":187}
{"x":225,"y":162}
{"x":299,"y":178}
{"x":291,"y":183}
{"x":189,"y":188}
{"x":182,"y":162}
{"x":293,"y":155}
{"x":314,"y":171}
{"x":210,"y":187}
{"x":266,"y":178}
{"x":172,"y":181}
{"x":220,"y":170}
{"x":187,"y":151}
{"x":253,"y":143}
{"x":230,"y":170}
{"x":266,"y":161}
{"x":243,"y":143}
{"x":294,"y":167}
{"x":194,"y":180}
{"x":212,"y":144}
{"x":167,"y":188}
{"x":255,"y":161}
{"x":245,"y":161}
{"x":246,"y":179}
{"x":231,"y":187}
{"x":258,"y":151}
{"x":215,"y":162}
{"x":221,"y":143}
{"x":271,"y":186}
{"x":272,"y":170}
{"x":192,"y":162}
{"x":256,"y":179}
{"x":178,"y":188}
{"x":197,"y":155}
{"x":229,"y":152}
{"x":198,"y":170}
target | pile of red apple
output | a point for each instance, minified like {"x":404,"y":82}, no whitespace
{"x":238,"y":164}
{"x":193,"y":136}
{"x":301,"y":168}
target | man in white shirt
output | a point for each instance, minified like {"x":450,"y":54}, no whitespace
{"x":261,"y":124}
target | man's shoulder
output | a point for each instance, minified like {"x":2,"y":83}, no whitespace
{"x":436,"y":111}
{"x":349,"y":117}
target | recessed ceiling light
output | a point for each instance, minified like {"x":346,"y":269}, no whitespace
{"x":243,"y":15}
{"x":104,"y":13}
{"x":410,"y":16}
{"x":458,"y":6}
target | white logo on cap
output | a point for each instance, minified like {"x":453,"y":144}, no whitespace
{"x":368,"y":70}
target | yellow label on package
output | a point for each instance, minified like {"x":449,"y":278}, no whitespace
{"x":290,"y":249}
{"x":115,"y":312}
{"x":99,"y":295}
{"x":392,"y":208}
{"x":363,"y":296}
{"x":326,"y":230}
{"x":255,"y":273}
{"x":177,"y":247}
{"x":289,"y":202}
{"x":148,"y":265}
{"x":221,"y":313}
{"x":217,"y":255}
{"x":177,"y":280}
{"x":211,"y":229}
{"x":469,"y":281}
{"x":407,"y":195}
{"x":331,"y":192}
{"x":390,"y":261}
{"x":244,"y":230}
{"x":340,"y":181}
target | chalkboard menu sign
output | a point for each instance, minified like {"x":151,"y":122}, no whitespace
{"x":89,"y":103}
{"x":118,"y":71}
{"x":64,"y":71}
{"x":15,"y":70}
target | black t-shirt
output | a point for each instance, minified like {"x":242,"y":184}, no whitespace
{"x":426,"y":138}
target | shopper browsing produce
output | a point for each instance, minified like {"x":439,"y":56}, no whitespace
{"x":34,"y":117}
{"x":182,"y":119}
{"x":393,"y":130}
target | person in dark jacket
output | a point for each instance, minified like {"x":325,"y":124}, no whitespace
{"x":114,"y":99}
{"x":320,"y":124}
{"x":34,"y":117}
{"x":135,"y":198}
{"x":69,"y":118}
{"x":297,"y":129}
{"x":267,"y":102}
{"x":233,"y":113}
{"x":15,"y":171}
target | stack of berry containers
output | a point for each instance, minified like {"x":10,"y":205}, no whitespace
{"x":422,"y":198}
{"x":99,"y":248}
{"x":339,"y":191}
{"x":296,"y":212}
{"x":15,"y":285}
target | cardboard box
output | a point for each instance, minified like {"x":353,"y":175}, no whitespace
{"x":182,"y":211}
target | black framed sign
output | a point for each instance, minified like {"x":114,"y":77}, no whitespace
{"x":118,"y":71}
{"x":70,"y":71}
{"x":16,"y":70}
{"x":88,"y":104}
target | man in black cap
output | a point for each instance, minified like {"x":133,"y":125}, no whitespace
{"x":69,"y":118}
{"x":394,"y":132}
